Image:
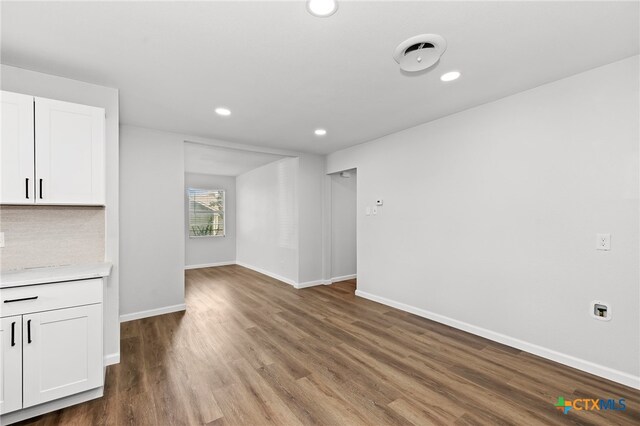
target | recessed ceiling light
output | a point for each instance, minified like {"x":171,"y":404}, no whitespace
{"x":223,"y":111}
{"x":322,"y":8}
{"x":320,"y":132}
{"x":450,"y":76}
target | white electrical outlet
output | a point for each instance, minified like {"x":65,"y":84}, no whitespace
{"x":375,"y":210}
{"x":1,"y":239}
{"x":603,"y":241}
{"x":600,"y":310}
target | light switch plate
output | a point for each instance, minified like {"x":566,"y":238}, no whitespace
{"x":603,"y":241}
{"x":1,"y":239}
{"x":367,"y":211}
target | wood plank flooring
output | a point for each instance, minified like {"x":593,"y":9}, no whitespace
{"x":251,"y":350}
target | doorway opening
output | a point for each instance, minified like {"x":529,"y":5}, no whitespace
{"x":213,"y":204}
{"x":343,"y":229}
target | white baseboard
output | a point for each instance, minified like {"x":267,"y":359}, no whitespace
{"x":336,"y":279}
{"x":267,"y":273}
{"x":291,"y":282}
{"x":343,"y":278}
{"x":311,"y":284}
{"x":153,"y":312}
{"x":210,"y":265}
{"x":580,"y":364}
{"x":112,"y":359}
{"x":324,"y":282}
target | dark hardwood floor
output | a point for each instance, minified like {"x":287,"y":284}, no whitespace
{"x":253,"y":351}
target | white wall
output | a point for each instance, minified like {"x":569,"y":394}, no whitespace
{"x":267,"y":219}
{"x":152,"y":221}
{"x":153,"y":248}
{"x":292,"y":250}
{"x":491,"y":215}
{"x":54,"y":87}
{"x":310,"y":211}
{"x":211,"y":251}
{"x":343,"y":226}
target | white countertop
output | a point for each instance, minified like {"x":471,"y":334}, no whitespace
{"x":54,"y":274}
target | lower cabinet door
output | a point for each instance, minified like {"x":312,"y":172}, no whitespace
{"x":10,"y":364}
{"x":62,"y":353}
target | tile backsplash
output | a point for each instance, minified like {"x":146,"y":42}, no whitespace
{"x":51,"y":235}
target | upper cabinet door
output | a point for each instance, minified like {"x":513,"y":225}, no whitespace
{"x":17,"y":180}
{"x":70,"y":153}
{"x":10,"y":364}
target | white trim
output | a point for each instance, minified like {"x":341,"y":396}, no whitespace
{"x":153,"y":312}
{"x":47,"y":407}
{"x":342,"y":278}
{"x":311,"y":284}
{"x":291,"y":282}
{"x":581,"y":364}
{"x":210,"y":265}
{"x":111,"y":359}
{"x":267,"y":273}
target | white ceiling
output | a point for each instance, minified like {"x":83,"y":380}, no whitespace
{"x":211,"y":160}
{"x":283,"y":72}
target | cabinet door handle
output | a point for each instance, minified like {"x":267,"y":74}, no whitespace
{"x":26,"y":187}
{"x":29,"y":331}
{"x":21,"y":300}
{"x":13,"y":333}
{"x":41,"y":189}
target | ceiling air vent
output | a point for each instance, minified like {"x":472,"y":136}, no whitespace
{"x":420,"y":52}
{"x":418,"y":46}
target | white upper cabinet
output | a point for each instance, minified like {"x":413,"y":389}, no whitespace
{"x":69,"y":153}
{"x":17,"y":177}
{"x":53,"y":156}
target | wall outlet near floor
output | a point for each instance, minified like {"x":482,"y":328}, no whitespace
{"x":600,"y":310}
{"x":603,"y":241}
{"x":1,"y":239}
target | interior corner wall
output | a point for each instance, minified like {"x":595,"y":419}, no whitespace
{"x":490,"y":218}
{"x":267,"y":219}
{"x":310,"y":210}
{"x":343,"y":226}
{"x":49,"y":86}
{"x":152,"y":221}
{"x":212,"y":251}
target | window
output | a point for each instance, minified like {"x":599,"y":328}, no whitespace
{"x":206,"y":212}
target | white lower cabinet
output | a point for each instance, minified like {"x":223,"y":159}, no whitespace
{"x":51,"y":349}
{"x":10,"y":364}
{"x":62,"y":353}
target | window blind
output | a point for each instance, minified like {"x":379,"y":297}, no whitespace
{"x":206,"y":212}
